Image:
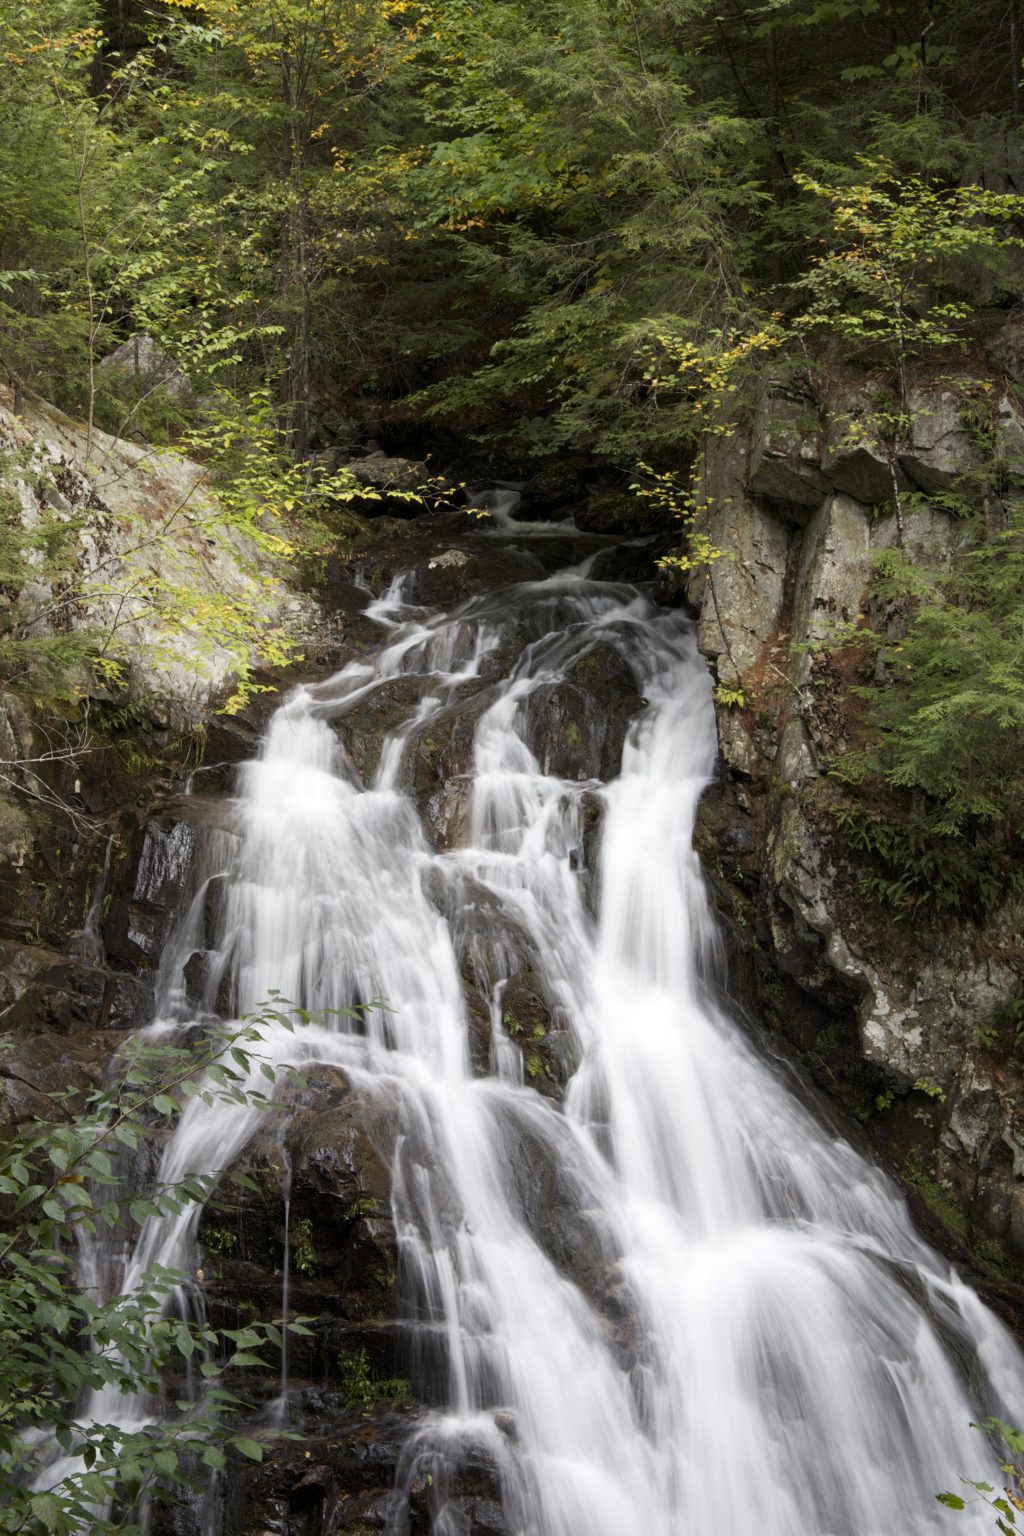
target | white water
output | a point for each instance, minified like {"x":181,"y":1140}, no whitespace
{"x":776,"y":1352}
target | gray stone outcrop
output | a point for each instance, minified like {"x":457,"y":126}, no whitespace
{"x":805,"y":503}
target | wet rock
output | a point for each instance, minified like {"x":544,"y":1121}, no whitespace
{"x":139,"y":921}
{"x":129,"y":1001}
{"x":440,"y":767}
{"x":576,"y":728}
{"x":20,"y":1101}
{"x":442,"y":562}
{"x":41,"y":987}
{"x":631,"y":563}
{"x":611,"y":512}
{"x":328,"y":1148}
{"x":37,"y":1075}
{"x":525,"y":1014}
{"x":344,"y":1481}
{"x":564,"y":731}
{"x":445,"y":580}
{"x":554,"y":489}
{"x":552,"y":1203}
{"x":448,"y":810}
{"x":392,"y":485}
{"x":532,"y":1023}
{"x":16,"y":839}
{"x":365,"y":728}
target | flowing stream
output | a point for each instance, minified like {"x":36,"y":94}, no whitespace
{"x":728,"y":1325}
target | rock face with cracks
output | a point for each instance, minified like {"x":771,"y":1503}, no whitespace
{"x":154,"y":552}
{"x":888,"y":1016}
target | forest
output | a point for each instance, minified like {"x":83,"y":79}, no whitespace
{"x":600,"y":251}
{"x":563,"y":244}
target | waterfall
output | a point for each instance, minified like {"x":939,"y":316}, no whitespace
{"x":728,"y":1323}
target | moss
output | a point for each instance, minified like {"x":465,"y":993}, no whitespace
{"x":573,"y":736}
{"x":993,"y":1253}
{"x":937,"y":1198}
{"x":828,"y":1039}
{"x":360,"y":1208}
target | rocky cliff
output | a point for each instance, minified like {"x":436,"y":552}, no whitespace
{"x":892,"y":1016}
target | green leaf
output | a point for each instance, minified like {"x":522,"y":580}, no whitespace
{"x":245,"y":1358}
{"x":245,"y":1447}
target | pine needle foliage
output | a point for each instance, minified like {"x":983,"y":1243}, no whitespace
{"x":947,"y":722}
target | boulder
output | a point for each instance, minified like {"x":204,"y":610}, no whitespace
{"x":143,"y":362}
{"x":576,"y":727}
{"x":449,"y":577}
{"x":149,"y":524}
{"x":49,"y":989}
{"x":37,"y":1073}
{"x":620,"y":512}
{"x":354,"y":1476}
{"x":391,"y":485}
{"x":327,"y":1149}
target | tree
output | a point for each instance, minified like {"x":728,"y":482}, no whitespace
{"x":890,"y":277}
{"x":946,"y":726}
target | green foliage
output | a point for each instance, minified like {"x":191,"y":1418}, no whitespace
{"x":60,"y":1181}
{"x":45,"y":109}
{"x":1006,"y":1503}
{"x":688,"y":502}
{"x":362,"y":1390}
{"x":925,"y":1085}
{"x":897,"y":253}
{"x":946,"y":730}
{"x":303,"y":1247}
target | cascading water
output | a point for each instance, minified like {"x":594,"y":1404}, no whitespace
{"x":731,"y":1325}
